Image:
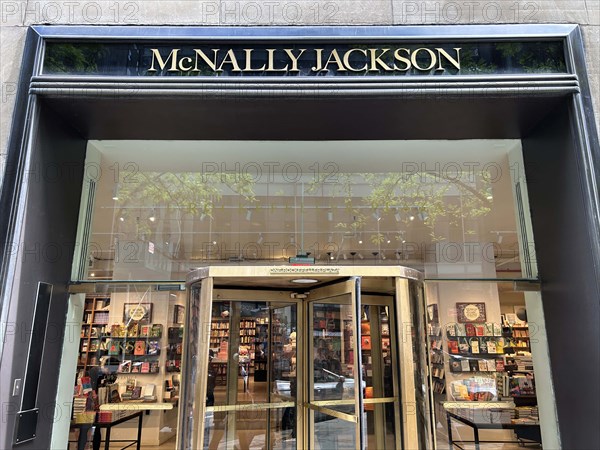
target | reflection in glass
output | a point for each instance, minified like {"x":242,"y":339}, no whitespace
{"x":378,"y":376}
{"x":251,"y":381}
{"x":333,"y":354}
{"x":152,"y":223}
{"x":333,"y":388}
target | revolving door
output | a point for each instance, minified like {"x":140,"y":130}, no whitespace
{"x":301,"y":357}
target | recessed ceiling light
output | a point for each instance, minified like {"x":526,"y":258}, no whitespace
{"x":304,"y":280}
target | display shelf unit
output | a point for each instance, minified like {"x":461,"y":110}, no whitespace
{"x":474,"y":349}
{"x":281,"y":365}
{"x":174,"y":349}
{"x":95,"y":321}
{"x":260,"y":345}
{"x":137,"y":347}
{"x":518,"y":338}
{"x":219,"y":329}
{"x":436,"y":352}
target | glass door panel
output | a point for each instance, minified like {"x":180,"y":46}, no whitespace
{"x":380,"y":374}
{"x":334,"y":377}
{"x":283,"y":375}
{"x":196,"y":361}
{"x":251,"y":387}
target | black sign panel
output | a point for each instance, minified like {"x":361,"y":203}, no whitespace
{"x":304,"y":59}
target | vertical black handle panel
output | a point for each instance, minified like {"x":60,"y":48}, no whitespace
{"x":36,"y":346}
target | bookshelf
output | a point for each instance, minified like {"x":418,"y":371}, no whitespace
{"x":95,"y":321}
{"x":137,"y":346}
{"x":174,"y":349}
{"x":517,"y":338}
{"x":260,"y":344}
{"x":219,"y":329}
{"x":517,"y":382}
{"x":436,"y":351}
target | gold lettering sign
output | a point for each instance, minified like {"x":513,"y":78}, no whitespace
{"x":315,"y":61}
{"x":312,"y":270}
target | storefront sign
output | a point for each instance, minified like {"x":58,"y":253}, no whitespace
{"x":355,"y":59}
{"x":306,"y":59}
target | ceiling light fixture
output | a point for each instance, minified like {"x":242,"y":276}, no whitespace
{"x":248,"y":214}
{"x":152,"y":217}
{"x":304,"y":280}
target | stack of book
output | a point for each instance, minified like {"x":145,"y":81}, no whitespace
{"x":81,"y":409}
{"x":524,"y":363}
{"x":527,"y":412}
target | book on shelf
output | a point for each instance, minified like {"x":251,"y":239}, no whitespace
{"x":125,"y":366}
{"x":153,"y":347}
{"x":455,"y":365}
{"x":385,"y":329}
{"x":366,"y":342}
{"x":451,"y":329}
{"x":463,"y":345}
{"x":465,"y":366}
{"x":497,"y":329}
{"x":156,"y":330}
{"x":453,"y":347}
{"x":488,"y":329}
{"x":136,"y":393}
{"x":139,"y":348}
{"x":86,"y":385}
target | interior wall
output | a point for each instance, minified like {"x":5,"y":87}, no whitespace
{"x":45,"y":254}
{"x":566,"y":254}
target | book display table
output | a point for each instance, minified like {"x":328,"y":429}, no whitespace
{"x":490,"y":419}
{"x":122,"y":412}
{"x":97,"y":440}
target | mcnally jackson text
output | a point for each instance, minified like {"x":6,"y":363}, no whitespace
{"x":316,"y":60}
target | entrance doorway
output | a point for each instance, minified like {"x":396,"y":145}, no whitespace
{"x":294,"y":359}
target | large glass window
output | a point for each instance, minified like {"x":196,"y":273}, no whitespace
{"x":444,"y":207}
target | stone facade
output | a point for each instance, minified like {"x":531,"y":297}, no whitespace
{"x":17,"y":15}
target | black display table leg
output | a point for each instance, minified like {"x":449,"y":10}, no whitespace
{"x":450,"y":431}
{"x":139,"y":435}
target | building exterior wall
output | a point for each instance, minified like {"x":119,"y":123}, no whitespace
{"x":17,"y":15}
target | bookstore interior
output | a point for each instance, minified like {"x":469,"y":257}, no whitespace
{"x":273,"y":344}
